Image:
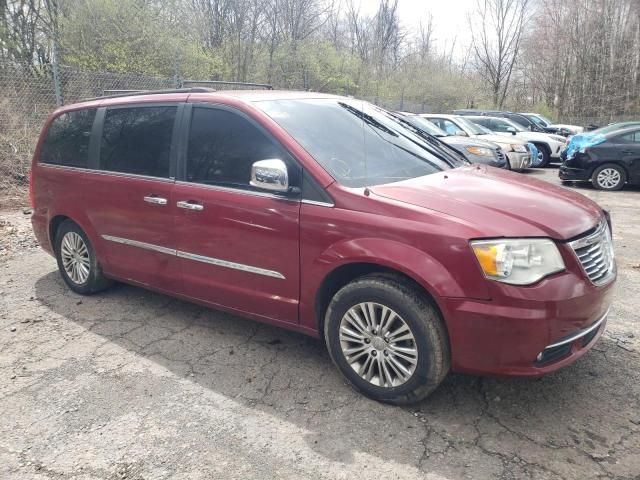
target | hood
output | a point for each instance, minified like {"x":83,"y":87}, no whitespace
{"x":498,"y":203}
{"x":502,"y":139}
{"x":538,"y":136}
{"x":467,"y":142}
{"x":572,"y":128}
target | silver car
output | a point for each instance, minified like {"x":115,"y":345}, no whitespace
{"x":517,"y":150}
{"x":473,"y":149}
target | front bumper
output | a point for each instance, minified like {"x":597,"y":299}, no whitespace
{"x":519,"y":161}
{"x":517,"y":332}
{"x":490,"y":161}
{"x":568,"y":173}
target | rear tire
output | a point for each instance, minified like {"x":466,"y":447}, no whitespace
{"x":77,"y":261}
{"x":407,"y":358}
{"x":609,"y":177}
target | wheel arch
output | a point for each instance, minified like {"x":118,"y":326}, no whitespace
{"x":615,"y":163}
{"x":346,"y":273}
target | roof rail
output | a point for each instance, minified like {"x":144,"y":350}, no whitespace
{"x":235,"y":84}
{"x":128,"y":93}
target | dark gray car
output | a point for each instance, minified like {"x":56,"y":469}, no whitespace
{"x":475,"y":150}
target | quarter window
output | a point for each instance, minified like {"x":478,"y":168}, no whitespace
{"x":67,"y":140}
{"x":222,"y":147}
{"x":138,"y":140}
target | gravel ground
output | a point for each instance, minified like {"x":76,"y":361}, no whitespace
{"x":131,"y":384}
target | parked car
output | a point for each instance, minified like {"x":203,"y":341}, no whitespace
{"x":324,"y":215}
{"x":608,"y":161}
{"x":584,"y":140}
{"x":561,"y":128}
{"x":474,"y":150}
{"x":549,"y":145}
{"x":520,"y":119}
{"x":517,"y":150}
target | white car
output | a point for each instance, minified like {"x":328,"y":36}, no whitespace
{"x":544,"y":122}
{"x":517,"y":150}
{"x":549,"y":145}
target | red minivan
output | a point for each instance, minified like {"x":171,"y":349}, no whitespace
{"x":328,"y":216}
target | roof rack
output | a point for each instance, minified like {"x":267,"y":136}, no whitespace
{"x":235,"y":84}
{"x":127,"y":93}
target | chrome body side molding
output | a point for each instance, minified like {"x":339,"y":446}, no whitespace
{"x":195,"y":257}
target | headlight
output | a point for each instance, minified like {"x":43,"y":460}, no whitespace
{"x":482,"y":151}
{"x":519,"y":148}
{"x":520,"y":261}
{"x":558,"y":138}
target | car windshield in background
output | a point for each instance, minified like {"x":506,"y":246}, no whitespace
{"x":426,"y":125}
{"x":538,"y":121}
{"x":544,"y":120}
{"x":510,"y":123}
{"x":358,"y":144}
{"x":472,"y":127}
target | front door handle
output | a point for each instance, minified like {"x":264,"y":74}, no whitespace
{"x":155,"y":200}
{"x":190,"y":205}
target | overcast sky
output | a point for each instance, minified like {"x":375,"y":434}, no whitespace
{"x":449,"y":19}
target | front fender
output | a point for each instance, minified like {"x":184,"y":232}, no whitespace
{"x":420,"y":266}
{"x":426,"y":270}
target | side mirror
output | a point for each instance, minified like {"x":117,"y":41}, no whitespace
{"x":511,"y":130}
{"x":461,"y":133}
{"x":270,"y":175}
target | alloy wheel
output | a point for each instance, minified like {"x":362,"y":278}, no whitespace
{"x":608,"y":178}
{"x":75,"y":258}
{"x":378,"y":344}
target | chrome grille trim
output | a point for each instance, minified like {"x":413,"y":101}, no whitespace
{"x":581,"y":333}
{"x":595,"y":254}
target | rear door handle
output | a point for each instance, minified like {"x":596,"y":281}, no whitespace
{"x":189,"y":205}
{"x":155,"y":200}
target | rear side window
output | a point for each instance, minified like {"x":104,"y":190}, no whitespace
{"x":67,"y":140}
{"x":138,"y":140}
{"x":222,"y":147}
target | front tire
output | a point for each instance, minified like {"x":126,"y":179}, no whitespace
{"x":77,"y":261}
{"x":609,"y":177}
{"x":387,"y":339}
{"x":544,"y":155}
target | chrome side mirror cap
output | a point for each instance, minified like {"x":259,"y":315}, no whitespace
{"x":461,"y":133}
{"x":511,"y":130}
{"x":270,"y":175}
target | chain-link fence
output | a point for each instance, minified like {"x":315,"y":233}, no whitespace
{"x":28,"y":96}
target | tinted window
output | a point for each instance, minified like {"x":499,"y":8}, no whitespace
{"x":357,"y":143}
{"x":222,"y":147}
{"x":631,"y":137}
{"x":137,"y":140}
{"x":67,"y":140}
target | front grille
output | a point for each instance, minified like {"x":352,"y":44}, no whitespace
{"x":502,"y":158}
{"x":595,"y":253}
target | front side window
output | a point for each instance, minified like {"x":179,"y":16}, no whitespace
{"x":137,"y":140}
{"x":224,"y":145}
{"x":631,"y":137}
{"x":67,"y":140}
{"x":357,"y":143}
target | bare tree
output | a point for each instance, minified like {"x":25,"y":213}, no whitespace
{"x":497,"y":27}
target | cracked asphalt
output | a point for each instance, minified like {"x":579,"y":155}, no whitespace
{"x":132,"y":384}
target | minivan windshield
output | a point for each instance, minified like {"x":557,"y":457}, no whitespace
{"x":357,"y":143}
